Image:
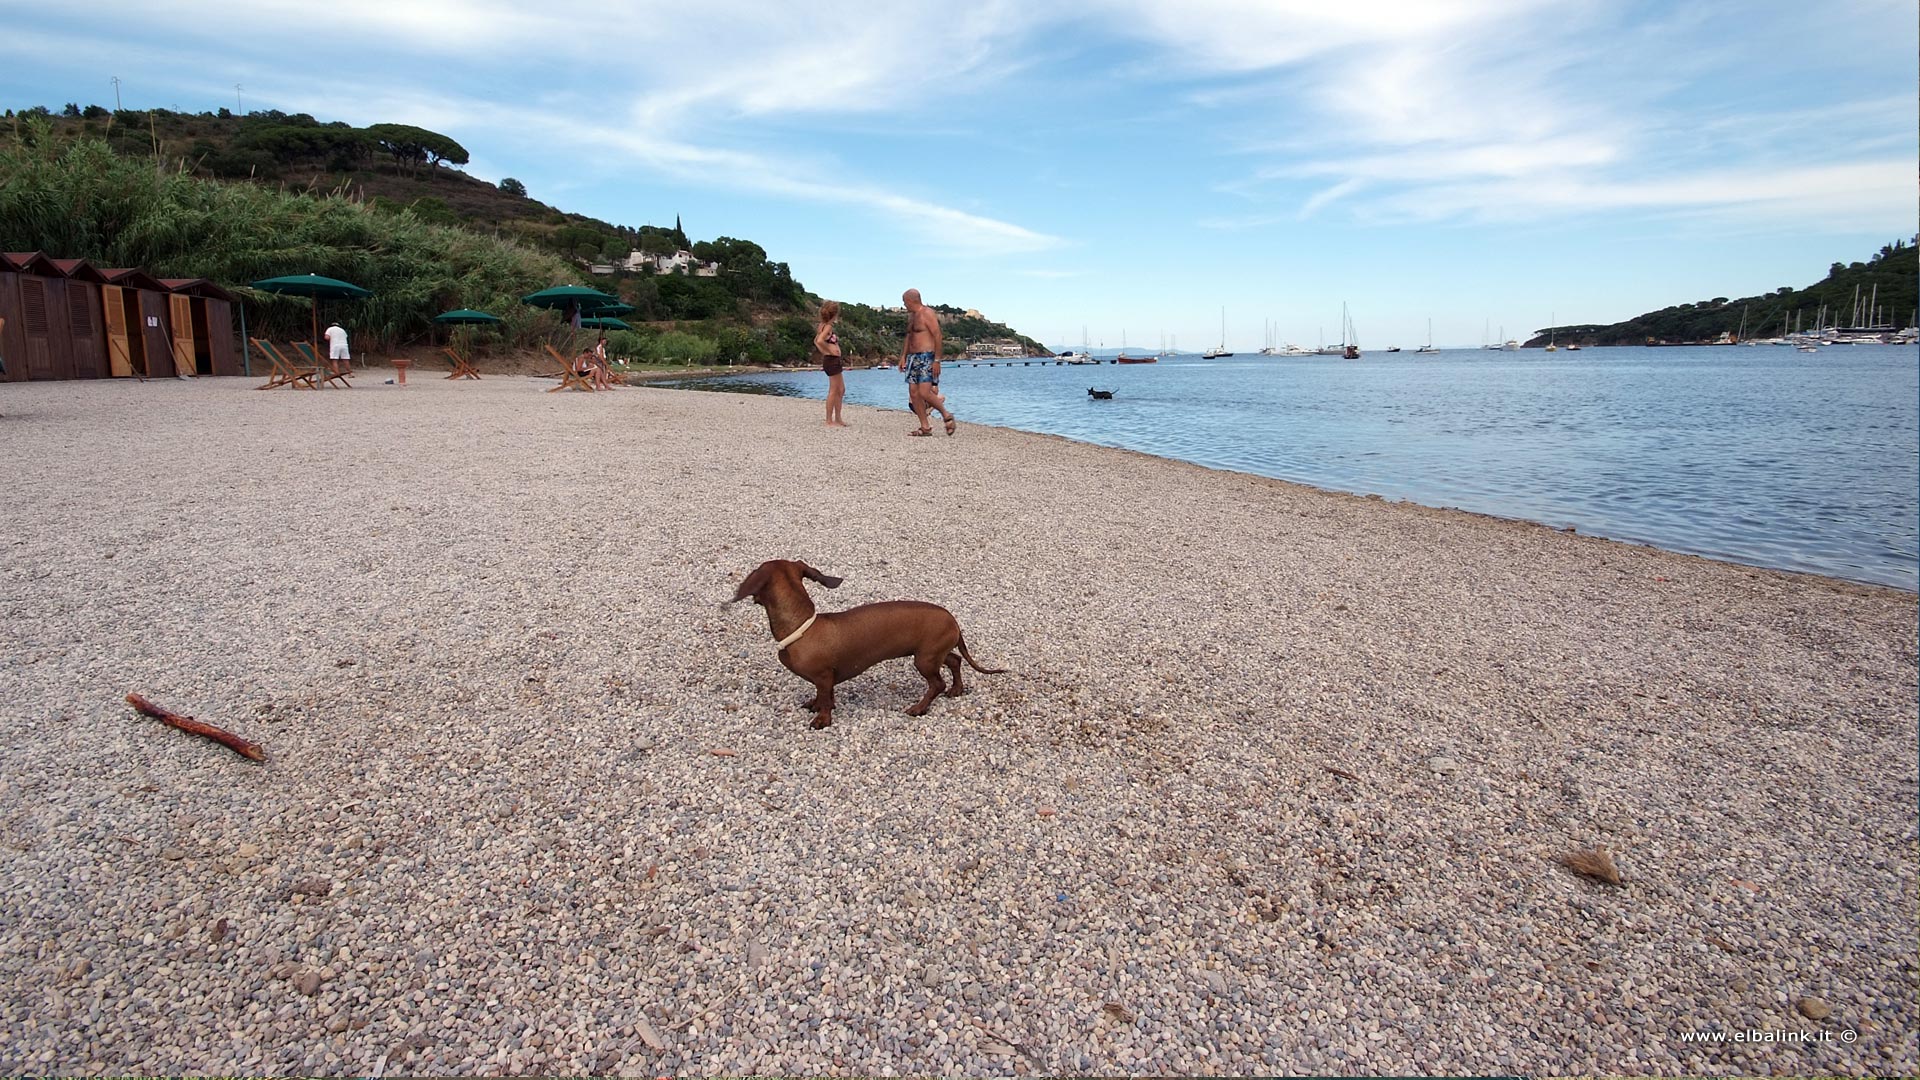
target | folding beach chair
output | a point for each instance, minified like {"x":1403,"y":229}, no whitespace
{"x":461,"y":365}
{"x":579,"y":380}
{"x":323,"y":369}
{"x":285,"y":372}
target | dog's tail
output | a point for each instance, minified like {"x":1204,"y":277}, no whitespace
{"x":975,"y":664}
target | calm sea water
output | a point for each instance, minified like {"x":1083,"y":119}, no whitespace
{"x":1762,"y":455}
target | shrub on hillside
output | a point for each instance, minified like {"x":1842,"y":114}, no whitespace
{"x":82,"y":200}
{"x":628,"y":346}
{"x":678,"y":347}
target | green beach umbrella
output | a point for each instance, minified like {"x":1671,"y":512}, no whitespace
{"x":604,"y":322}
{"x":568,"y":296}
{"x":465,"y":316}
{"x":574,"y":298}
{"x":618,"y":307}
{"x":315,"y":288}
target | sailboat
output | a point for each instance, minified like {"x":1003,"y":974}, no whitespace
{"x":1551,"y":347}
{"x":1350,"y":341}
{"x":1220,"y":350}
{"x":1428,"y":347}
{"x":1123,"y":358}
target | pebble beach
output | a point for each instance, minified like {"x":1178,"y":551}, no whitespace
{"x":1279,"y":781}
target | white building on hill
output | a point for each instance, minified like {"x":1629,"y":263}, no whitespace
{"x":680,"y":262}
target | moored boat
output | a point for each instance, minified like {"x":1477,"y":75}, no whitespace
{"x":1219,"y":350}
{"x":1428,"y":347}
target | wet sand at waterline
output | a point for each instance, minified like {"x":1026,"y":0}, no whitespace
{"x":1279,"y":780}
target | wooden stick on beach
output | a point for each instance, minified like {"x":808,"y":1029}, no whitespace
{"x":245,"y":748}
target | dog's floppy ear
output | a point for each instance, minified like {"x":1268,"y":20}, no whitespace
{"x":828,"y":580}
{"x":755,"y":582}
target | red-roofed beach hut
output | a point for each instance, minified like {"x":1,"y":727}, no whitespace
{"x":202,"y":323}
{"x":35,"y":340}
{"x":68,"y":319}
{"x":86,"y":331}
{"x":138,"y":339}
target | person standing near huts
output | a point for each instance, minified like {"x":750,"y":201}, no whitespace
{"x":339,"y":357}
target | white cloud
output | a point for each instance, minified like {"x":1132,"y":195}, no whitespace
{"x":815,"y":57}
{"x":1258,"y":35}
{"x":439,"y":27}
{"x":1520,"y":111}
{"x":1865,"y":195}
{"x":663,"y":101}
{"x":1385,"y":110}
{"x":1338,"y":191}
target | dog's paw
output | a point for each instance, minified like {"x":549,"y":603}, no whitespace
{"x":821,"y":722}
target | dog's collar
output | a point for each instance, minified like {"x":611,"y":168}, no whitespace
{"x":795,"y":636}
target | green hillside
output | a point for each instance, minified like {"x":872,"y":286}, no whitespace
{"x":238,"y":198}
{"x":1894,"y":271}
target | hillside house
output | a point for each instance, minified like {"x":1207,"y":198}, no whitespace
{"x":679,"y":262}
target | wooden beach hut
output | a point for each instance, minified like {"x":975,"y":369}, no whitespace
{"x":86,"y":329}
{"x":137,"y":310}
{"x":68,"y":319}
{"x":33,"y":301}
{"x":200,"y":317}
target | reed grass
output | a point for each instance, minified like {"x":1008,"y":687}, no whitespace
{"x":82,"y":200}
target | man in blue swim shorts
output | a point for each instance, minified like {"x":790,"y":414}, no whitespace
{"x":920,"y":359}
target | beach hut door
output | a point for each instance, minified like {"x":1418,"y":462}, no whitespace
{"x":119,"y":353}
{"x":180,"y":311}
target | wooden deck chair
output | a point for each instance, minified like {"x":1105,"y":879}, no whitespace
{"x":285,"y":372}
{"x":326,"y":373}
{"x":461,"y":365}
{"x":579,"y":380}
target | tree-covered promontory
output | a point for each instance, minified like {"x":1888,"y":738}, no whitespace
{"x":1890,"y":281}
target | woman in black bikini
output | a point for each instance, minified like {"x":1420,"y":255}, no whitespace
{"x":827,"y":344}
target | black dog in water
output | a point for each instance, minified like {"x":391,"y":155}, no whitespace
{"x":1099,"y":395}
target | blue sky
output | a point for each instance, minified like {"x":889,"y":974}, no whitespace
{"x":1132,"y":167}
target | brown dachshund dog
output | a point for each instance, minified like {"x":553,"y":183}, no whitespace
{"x":833,"y":647}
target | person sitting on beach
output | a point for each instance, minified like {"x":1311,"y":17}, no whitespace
{"x":602,"y":371}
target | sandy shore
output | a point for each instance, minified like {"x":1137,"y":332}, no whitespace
{"x":1277,"y":783}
